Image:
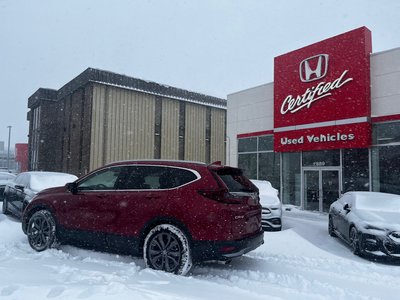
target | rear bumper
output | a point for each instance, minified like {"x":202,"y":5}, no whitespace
{"x":226,"y":250}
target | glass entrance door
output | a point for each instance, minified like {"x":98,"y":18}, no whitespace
{"x":321,"y":188}
{"x":311,"y":190}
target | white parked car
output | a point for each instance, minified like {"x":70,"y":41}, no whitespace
{"x":271,"y":217}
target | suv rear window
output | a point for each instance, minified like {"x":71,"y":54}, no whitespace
{"x":235,"y":181}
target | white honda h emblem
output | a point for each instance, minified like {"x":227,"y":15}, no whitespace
{"x":314,"y":68}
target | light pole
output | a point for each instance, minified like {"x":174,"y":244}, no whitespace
{"x":8,"y":150}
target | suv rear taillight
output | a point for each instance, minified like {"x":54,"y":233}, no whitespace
{"x":222,"y":195}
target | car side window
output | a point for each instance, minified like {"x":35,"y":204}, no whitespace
{"x":174,"y":177}
{"x":155,"y":178}
{"x":102,"y":180}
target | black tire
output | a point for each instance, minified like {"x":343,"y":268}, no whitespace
{"x":5,"y":207}
{"x":167,"y":248}
{"x":41,"y":231}
{"x":331,"y":230}
{"x":354,"y":240}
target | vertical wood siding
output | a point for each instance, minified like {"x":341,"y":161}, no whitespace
{"x":97,"y":128}
{"x":218,"y":135}
{"x":170,"y":129}
{"x":195,"y":132}
{"x":122,"y":125}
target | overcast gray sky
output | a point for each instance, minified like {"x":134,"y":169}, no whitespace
{"x":213,"y":47}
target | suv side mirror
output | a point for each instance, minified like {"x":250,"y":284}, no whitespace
{"x":72,"y":187}
{"x":347,"y":207}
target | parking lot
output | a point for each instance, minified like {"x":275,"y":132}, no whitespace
{"x":300,"y":262}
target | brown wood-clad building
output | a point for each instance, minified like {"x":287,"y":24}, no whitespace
{"x":100,"y":117}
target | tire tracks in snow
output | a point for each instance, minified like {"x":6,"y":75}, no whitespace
{"x":298,"y":277}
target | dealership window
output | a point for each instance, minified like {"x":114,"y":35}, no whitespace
{"x":386,"y":158}
{"x":247,"y":145}
{"x":321,"y":158}
{"x":291,"y":178}
{"x":248,"y":163}
{"x":257,"y":159}
{"x":269,"y":168}
{"x":355,"y":170}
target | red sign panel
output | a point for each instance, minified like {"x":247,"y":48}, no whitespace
{"x":321,"y":87}
{"x":323,"y":138}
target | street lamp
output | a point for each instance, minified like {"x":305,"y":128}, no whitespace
{"x":8,"y":150}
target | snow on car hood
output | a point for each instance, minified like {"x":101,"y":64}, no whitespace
{"x":45,"y":180}
{"x":379,"y":219}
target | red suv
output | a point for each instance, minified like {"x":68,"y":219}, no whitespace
{"x":174,"y":213}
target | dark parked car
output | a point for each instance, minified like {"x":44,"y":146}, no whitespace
{"x":369,"y":222}
{"x":5,"y":177}
{"x":174,"y":213}
{"x":19,"y":192}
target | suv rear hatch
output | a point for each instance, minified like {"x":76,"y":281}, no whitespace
{"x":242,"y":197}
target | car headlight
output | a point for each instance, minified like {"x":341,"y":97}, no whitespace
{"x":266,"y":211}
{"x":395,"y":236}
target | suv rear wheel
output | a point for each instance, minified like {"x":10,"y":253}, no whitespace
{"x":167,"y":248}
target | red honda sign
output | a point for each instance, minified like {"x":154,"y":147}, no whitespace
{"x":323,"y":91}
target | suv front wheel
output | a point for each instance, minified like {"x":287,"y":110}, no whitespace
{"x":41,"y":230}
{"x":167,"y":248}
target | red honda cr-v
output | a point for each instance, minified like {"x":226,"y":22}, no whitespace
{"x":174,"y":213}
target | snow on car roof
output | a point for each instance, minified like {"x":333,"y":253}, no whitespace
{"x":265,"y":187}
{"x":376,"y":201}
{"x":268,"y":194}
{"x":6,"y":176}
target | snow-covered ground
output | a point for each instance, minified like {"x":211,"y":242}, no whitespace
{"x":300,"y":262}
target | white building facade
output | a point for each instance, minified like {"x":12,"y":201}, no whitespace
{"x":328,"y":124}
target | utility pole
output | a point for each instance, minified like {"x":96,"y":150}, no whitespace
{"x":8,"y":150}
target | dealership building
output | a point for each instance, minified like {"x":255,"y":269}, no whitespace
{"x":328,"y":124}
{"x":99,"y":117}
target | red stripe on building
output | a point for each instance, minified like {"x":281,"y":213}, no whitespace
{"x":253,"y":134}
{"x":385,"y":118}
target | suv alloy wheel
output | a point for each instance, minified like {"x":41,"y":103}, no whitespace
{"x":167,"y":248}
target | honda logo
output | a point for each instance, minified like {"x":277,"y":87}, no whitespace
{"x":314,"y":68}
